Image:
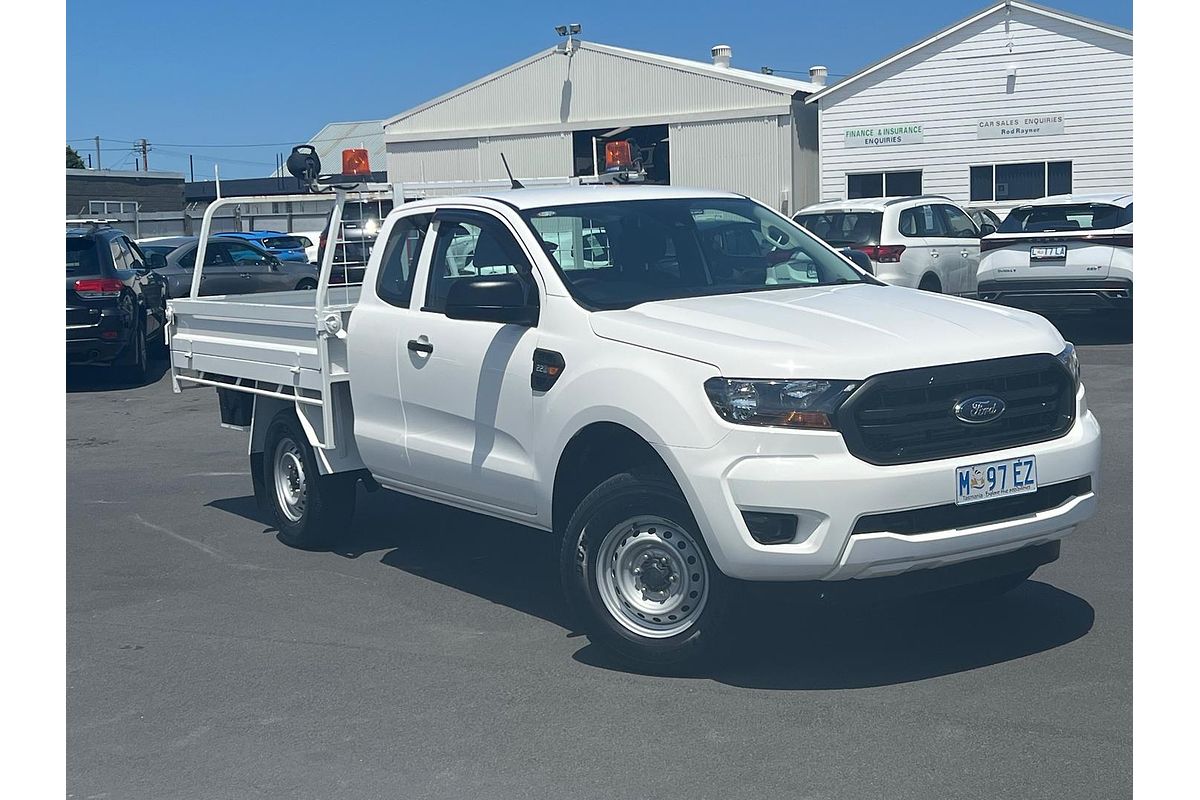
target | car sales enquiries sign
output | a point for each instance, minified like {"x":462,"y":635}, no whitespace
{"x":882,"y":135}
{"x":1018,"y":126}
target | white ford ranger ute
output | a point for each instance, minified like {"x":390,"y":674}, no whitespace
{"x":688,"y":387}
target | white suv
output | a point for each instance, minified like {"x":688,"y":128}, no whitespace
{"x":1069,"y":252}
{"x":926,"y":242}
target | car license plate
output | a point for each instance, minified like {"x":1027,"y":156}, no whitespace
{"x":1049,"y":253}
{"x":994,"y":479}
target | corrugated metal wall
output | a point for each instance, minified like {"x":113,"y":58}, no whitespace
{"x":751,"y":156}
{"x":443,"y":160}
{"x":473,"y":160}
{"x":529,"y":156}
{"x":1060,"y":68}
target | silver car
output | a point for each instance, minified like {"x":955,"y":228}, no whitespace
{"x":231,"y":266}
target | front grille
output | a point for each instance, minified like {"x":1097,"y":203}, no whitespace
{"x":951,"y":516}
{"x":906,"y":417}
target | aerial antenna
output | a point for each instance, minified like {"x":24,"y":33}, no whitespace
{"x":516,"y":184}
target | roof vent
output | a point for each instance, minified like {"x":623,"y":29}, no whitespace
{"x":818,"y":74}
{"x":722,"y":54}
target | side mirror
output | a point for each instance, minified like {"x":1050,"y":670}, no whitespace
{"x":491,"y":298}
{"x":273,"y":262}
{"x":860,"y":259}
{"x":986,"y":229}
{"x":155,"y":260}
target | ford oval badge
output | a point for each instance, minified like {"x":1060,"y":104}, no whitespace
{"x":978,"y":409}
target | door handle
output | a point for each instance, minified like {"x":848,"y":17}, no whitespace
{"x":965,"y":253}
{"x":246,"y":275}
{"x":934,"y":254}
{"x":420,"y":347}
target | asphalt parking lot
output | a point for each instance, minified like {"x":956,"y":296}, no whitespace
{"x":431,"y":656}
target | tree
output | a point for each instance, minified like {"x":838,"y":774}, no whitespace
{"x":73,"y":159}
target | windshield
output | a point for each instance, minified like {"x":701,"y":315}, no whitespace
{"x":284,"y":243}
{"x":1076,"y":217}
{"x":844,"y":228}
{"x":618,"y":254}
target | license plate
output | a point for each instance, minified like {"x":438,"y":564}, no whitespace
{"x":994,"y":479}
{"x":1048,"y":253}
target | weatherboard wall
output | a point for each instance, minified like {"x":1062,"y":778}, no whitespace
{"x":1061,"y":68}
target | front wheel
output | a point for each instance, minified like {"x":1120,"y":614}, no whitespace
{"x":306,"y":285}
{"x":636,"y":570}
{"x":310,"y":509}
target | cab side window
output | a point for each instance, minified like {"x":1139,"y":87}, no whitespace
{"x":398,"y":267}
{"x":470,"y":244}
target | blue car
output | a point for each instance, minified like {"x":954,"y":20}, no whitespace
{"x":283,"y":246}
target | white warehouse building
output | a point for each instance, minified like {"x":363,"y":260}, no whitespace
{"x":1015,"y":102}
{"x":688,"y":123}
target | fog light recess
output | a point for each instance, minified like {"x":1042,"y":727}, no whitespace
{"x":768,"y":528}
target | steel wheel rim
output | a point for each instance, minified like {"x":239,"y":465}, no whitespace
{"x":652,"y":576}
{"x":291,"y":488}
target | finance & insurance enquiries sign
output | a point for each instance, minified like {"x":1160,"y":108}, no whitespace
{"x":882,"y":135}
{"x":1019,"y":125}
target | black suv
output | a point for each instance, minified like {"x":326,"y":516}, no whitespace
{"x":116,"y":307}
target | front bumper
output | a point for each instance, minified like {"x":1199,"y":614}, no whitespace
{"x":1113,"y":294}
{"x":811,"y":475}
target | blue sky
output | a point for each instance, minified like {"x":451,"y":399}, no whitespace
{"x":188,"y":75}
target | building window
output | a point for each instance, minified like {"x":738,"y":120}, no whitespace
{"x":883,"y":184}
{"x":112,"y":207}
{"x":1020,"y":181}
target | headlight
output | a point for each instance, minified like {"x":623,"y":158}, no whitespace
{"x":1070,"y":360}
{"x":785,"y":403}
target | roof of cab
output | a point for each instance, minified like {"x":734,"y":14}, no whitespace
{"x":589,"y":193}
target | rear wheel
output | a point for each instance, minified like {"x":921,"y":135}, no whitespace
{"x":930,"y":283}
{"x":310,"y":509}
{"x":305,"y":284}
{"x":636,"y":570}
{"x":137,"y":366}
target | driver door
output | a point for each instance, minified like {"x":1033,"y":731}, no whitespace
{"x":465,"y":384}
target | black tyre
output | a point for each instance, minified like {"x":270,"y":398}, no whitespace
{"x":930,"y":283}
{"x":137,"y":360}
{"x":306,"y":284}
{"x":639,"y":576}
{"x":311,"y":510}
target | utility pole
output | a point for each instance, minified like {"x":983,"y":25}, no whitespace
{"x":191,"y":168}
{"x":97,"y":152}
{"x":145,"y":155}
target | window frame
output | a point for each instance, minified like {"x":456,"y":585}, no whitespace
{"x":883,"y":175}
{"x":1046,"y":163}
{"x":385,"y":295}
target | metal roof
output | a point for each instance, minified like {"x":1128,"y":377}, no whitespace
{"x":1022,"y":5}
{"x":335,"y":137}
{"x":587,"y":88}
